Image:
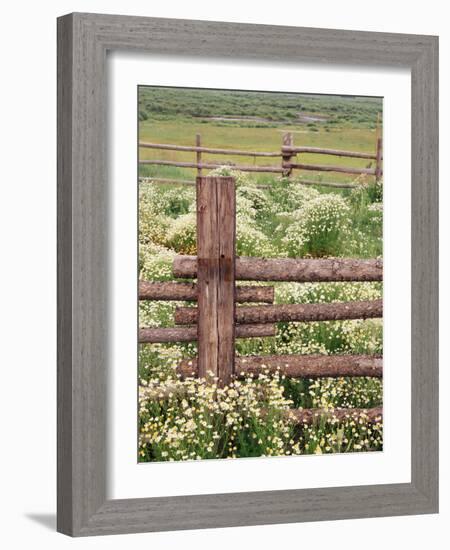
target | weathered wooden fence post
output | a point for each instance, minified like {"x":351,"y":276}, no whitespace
{"x":216,"y":236}
{"x":378,"y":165}
{"x":288,"y":141}
{"x":198,"y":143}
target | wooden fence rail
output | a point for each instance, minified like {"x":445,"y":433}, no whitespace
{"x":189,"y":292}
{"x":292,"y":269}
{"x":288,"y":153}
{"x":299,"y":366}
{"x":189,"y":334}
{"x":367,"y":309}
{"x":166,"y":180}
{"x":333,"y":152}
{"x":211,"y":166}
{"x":209,"y":150}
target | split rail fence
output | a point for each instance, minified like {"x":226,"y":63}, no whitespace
{"x":289,"y":154}
{"x":217,"y":321}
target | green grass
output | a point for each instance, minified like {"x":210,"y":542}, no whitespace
{"x":257,"y":108}
{"x":182,"y":132}
{"x":174,"y":116}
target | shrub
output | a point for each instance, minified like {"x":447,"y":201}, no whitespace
{"x":167,"y":200}
{"x":160,"y":361}
{"x":367,"y":216}
{"x":376,"y":211}
{"x":288,"y":195}
{"x":157,"y":206}
{"x":245,"y":209}
{"x":251,"y":241}
{"x":156,"y":313}
{"x":311,"y":293}
{"x":241,"y":178}
{"x":319,"y":228}
{"x":253,"y":196}
{"x":155,"y":263}
{"x":329,"y":337}
{"x":366,"y":191}
{"x":182,"y":234}
{"x":153,"y":224}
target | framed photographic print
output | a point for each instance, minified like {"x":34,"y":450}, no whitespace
{"x":247,"y":274}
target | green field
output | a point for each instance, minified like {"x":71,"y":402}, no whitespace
{"x":189,"y":419}
{"x":348,"y":124}
{"x":274,"y":107}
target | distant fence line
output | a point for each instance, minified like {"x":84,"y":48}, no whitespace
{"x":288,"y":154}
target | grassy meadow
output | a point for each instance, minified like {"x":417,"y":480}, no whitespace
{"x":226,"y":122}
{"x":190,"y":419}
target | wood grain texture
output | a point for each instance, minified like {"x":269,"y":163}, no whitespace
{"x":216,"y":236}
{"x":65,"y":483}
{"x":365,"y":309}
{"x":333,"y":152}
{"x":83,"y":279}
{"x":149,"y":290}
{"x":255,"y":508}
{"x":207,"y":279}
{"x":226,"y":292}
{"x":167,"y":180}
{"x":378,"y":162}
{"x":292,"y":269}
{"x":189,"y":334}
{"x":198,"y":156}
{"x":82,"y":275}
{"x":288,"y":142}
{"x":425,"y":272}
{"x":287,"y":153}
{"x":210,"y":150}
{"x":285,"y":169}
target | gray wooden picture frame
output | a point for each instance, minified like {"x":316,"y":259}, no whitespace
{"x":83,"y":42}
